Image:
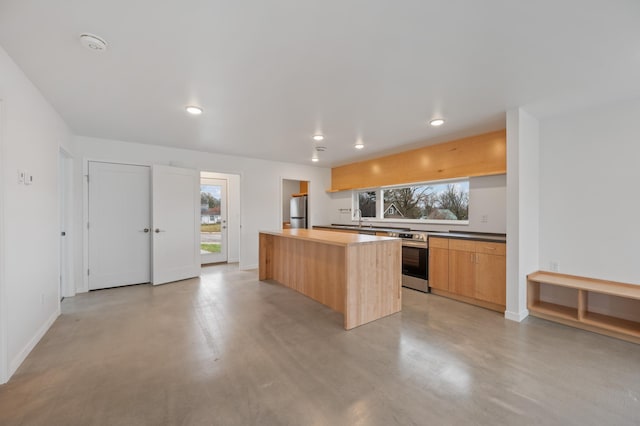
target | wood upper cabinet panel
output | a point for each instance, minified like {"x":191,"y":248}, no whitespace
{"x":497,"y":249}
{"x":438,"y":242}
{"x":480,"y":155}
{"x":439,"y":268}
{"x":462,"y":273}
{"x":491,"y":278}
{"x":462,"y":245}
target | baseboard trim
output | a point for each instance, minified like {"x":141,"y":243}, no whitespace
{"x":516,"y":316}
{"x":18,"y":360}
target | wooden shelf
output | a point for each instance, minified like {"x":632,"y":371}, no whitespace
{"x":582,"y":316}
{"x":554,"y":309}
{"x":615,"y":324}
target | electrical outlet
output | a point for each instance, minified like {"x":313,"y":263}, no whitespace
{"x":553,"y":266}
{"x":21,"y":174}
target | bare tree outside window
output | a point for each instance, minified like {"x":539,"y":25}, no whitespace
{"x":428,"y":201}
{"x":456,"y":200}
{"x":367,"y":203}
{"x":413,"y":202}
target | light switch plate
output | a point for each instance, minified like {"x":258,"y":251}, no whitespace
{"x":28,"y":178}
{"x":20,"y":176}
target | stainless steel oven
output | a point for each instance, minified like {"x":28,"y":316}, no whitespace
{"x":415,"y":260}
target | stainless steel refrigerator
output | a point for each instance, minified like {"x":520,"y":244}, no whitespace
{"x":298,"y":212}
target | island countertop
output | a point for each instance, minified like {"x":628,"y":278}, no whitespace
{"x":328,"y":237}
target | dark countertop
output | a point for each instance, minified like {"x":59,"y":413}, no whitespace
{"x":491,"y":238}
{"x":363,"y":229}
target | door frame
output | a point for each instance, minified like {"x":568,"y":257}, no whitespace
{"x":300,"y":179}
{"x":224,"y":244}
{"x":4,"y":323}
{"x":66,"y":222}
{"x":235,"y":181}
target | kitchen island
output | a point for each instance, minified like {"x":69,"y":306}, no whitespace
{"x":357,"y":275}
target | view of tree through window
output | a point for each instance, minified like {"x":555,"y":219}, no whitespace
{"x":367,"y":204}
{"x":428,"y":201}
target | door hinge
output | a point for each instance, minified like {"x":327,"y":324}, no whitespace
{"x":87,"y":178}
{"x":88,"y":272}
{"x":87,"y":225}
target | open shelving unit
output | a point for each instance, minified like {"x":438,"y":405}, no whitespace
{"x":573,"y":307}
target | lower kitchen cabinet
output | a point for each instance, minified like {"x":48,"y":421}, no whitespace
{"x":439,"y":263}
{"x":491,"y":278}
{"x":462,"y":273}
{"x":471,"y":271}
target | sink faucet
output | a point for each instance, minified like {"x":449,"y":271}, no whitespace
{"x":359,"y":213}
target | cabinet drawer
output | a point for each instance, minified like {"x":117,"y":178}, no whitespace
{"x":491,"y":248}
{"x":462,"y":245}
{"x":439,"y":243}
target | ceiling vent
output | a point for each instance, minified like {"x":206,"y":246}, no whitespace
{"x":93,"y":42}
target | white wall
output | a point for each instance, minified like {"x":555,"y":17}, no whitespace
{"x":260,"y":185}
{"x":32,"y":134}
{"x":589,"y":205}
{"x":523,"y":191}
{"x":487,"y":196}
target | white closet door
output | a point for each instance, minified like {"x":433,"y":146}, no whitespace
{"x":176,"y":224}
{"x":119,"y":224}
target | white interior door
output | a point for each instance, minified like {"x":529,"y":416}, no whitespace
{"x":119,"y":217}
{"x":176,"y":224}
{"x":213,"y":220}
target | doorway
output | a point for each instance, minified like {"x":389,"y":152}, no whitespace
{"x":219,"y":217}
{"x":295,"y":209}
{"x":213,"y":220}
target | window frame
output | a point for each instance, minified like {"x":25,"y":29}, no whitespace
{"x":380,"y":203}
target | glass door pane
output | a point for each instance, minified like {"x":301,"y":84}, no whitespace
{"x":213,"y":220}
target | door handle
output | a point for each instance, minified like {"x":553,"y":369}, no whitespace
{"x":224,"y":227}
{"x":145,"y":230}
{"x":158,"y":230}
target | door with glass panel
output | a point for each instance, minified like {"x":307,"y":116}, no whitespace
{"x":213,"y":220}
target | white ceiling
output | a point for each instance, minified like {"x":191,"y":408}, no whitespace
{"x":269,"y":74}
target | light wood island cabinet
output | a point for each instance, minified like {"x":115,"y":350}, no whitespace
{"x":469,"y":270}
{"x":357,"y":275}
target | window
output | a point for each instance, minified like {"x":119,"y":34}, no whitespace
{"x":366,"y":204}
{"x":426,"y":202}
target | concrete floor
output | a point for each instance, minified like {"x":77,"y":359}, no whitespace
{"x":228,"y":350}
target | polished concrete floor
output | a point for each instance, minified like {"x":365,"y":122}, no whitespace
{"x":227,"y":349}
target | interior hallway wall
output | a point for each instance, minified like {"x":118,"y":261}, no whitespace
{"x":260,"y":186}
{"x":32,"y":134}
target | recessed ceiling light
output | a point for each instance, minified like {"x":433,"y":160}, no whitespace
{"x":194,"y":110}
{"x":315,"y":159}
{"x":93,"y":42}
{"x":359,"y":145}
{"x":437,"y":122}
{"x":318,"y":137}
